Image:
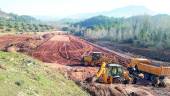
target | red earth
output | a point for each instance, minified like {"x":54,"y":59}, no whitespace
{"x":68,"y":50}
{"x":9,"y":39}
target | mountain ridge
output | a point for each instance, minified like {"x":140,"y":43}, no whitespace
{"x":126,"y":11}
{"x":4,"y":14}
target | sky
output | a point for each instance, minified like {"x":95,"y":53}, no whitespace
{"x":61,"y":8}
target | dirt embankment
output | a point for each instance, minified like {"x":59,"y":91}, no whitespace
{"x":68,"y":50}
{"x":22,"y":43}
{"x":139,"y":52}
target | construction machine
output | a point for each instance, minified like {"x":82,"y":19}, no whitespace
{"x":111,"y":73}
{"x":137,"y":68}
{"x":153,"y":72}
{"x":95,"y":59}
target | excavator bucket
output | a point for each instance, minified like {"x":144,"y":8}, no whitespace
{"x":91,"y":79}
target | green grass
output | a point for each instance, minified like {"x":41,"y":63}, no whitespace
{"x":6,"y":33}
{"x":20,"y":75}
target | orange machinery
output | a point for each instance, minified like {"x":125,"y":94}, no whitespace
{"x":154,"y":72}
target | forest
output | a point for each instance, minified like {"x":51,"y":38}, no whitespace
{"x":142,"y":31}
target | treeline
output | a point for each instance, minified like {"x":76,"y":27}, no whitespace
{"x":142,"y":31}
{"x":15,"y":23}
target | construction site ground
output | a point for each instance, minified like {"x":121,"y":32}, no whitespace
{"x":64,"y":52}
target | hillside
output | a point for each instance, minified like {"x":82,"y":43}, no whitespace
{"x":141,"y":31}
{"x":3,"y":14}
{"x":10,"y":22}
{"x":96,"y":21}
{"x":20,"y":75}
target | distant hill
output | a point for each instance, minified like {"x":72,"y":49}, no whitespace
{"x":18,"y":17}
{"x":68,"y":21}
{"x":4,"y":14}
{"x":102,"y":21}
{"x":119,"y":12}
{"x":129,"y":11}
{"x":10,"y":22}
{"x":96,"y":21}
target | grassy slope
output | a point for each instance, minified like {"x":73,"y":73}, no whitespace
{"x":20,"y":75}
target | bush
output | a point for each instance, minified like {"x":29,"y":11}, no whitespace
{"x":19,"y":82}
{"x":8,"y":29}
{"x":1,"y":27}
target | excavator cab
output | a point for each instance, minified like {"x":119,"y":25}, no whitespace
{"x":116,"y":74}
{"x":115,"y":70}
{"x":96,"y":55}
{"x":111,"y":73}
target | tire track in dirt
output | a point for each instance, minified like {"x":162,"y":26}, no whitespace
{"x":55,"y":51}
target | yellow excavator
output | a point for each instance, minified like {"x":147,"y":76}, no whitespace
{"x":95,"y":59}
{"x":138,"y":68}
{"x":111,"y":73}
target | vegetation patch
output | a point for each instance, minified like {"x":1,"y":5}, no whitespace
{"x":24,"y":76}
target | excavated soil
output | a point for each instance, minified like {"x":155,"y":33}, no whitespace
{"x":22,"y":43}
{"x":68,"y":50}
{"x":64,"y":52}
{"x":97,"y":89}
{"x":11,"y":39}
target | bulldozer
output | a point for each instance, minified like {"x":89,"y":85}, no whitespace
{"x":95,"y":59}
{"x":111,"y":73}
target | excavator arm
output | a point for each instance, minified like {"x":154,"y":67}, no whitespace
{"x":101,"y":73}
{"x":101,"y":70}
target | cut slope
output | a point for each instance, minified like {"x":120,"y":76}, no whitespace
{"x":20,"y":75}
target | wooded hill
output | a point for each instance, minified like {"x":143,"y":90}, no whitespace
{"x":142,"y":31}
